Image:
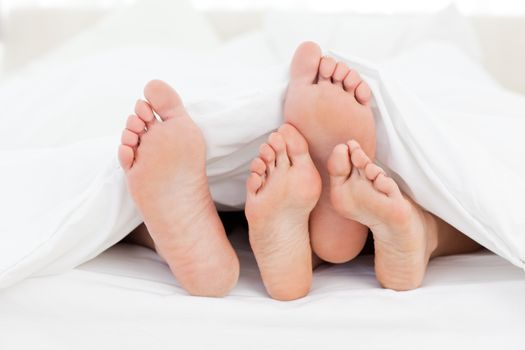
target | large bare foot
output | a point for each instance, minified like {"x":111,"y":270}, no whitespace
{"x":282,"y":190}
{"x":329,"y":104}
{"x":405,"y":235}
{"x":164,"y":164}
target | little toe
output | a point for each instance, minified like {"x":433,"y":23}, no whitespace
{"x":135,"y":124}
{"x":326,"y":68}
{"x":276,"y":140}
{"x":258,"y":166}
{"x":358,"y":156}
{"x":351,"y":81}
{"x":164,"y":100}
{"x":267,"y":154}
{"x":372,"y":171}
{"x":296,"y":145}
{"x":363,"y":94}
{"x":145,"y":113}
{"x":340,"y":73}
{"x":338,"y":165}
{"x":254,"y":183}
{"x":126,"y":157}
{"x":129,"y":138}
{"x":305,"y":63}
{"x":386,"y":185}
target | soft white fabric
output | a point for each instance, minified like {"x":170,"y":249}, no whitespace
{"x":60,"y":205}
{"x":375,"y":38}
{"x":128,"y":298}
{"x":66,"y":202}
{"x":441,"y":162}
{"x":93,"y":96}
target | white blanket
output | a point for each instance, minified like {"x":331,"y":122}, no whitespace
{"x":447,"y":133}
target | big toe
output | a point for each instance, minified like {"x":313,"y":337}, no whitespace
{"x":164,"y":99}
{"x":358,"y":157}
{"x":296,"y":144}
{"x":305,"y":63}
{"x":339,"y":165}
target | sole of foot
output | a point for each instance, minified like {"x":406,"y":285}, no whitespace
{"x":165,"y":166}
{"x":329,"y":103}
{"x":282,"y":190}
{"x":405,"y":235}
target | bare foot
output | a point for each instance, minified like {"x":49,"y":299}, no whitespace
{"x":405,"y":235}
{"x":283,"y":188}
{"x":164,"y":164}
{"x":329,"y":104}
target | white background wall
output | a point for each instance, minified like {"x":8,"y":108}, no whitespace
{"x":30,"y":28}
{"x":470,"y":7}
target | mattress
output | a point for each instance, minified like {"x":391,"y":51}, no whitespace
{"x":126,"y":298}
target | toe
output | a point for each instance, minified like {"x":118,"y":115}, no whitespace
{"x":267,"y":154}
{"x":326,"y":68}
{"x":135,"y":124}
{"x":305,"y":63}
{"x":358,"y":156}
{"x":340,"y":73}
{"x":386,"y":185}
{"x":129,"y":138}
{"x":145,"y":113}
{"x":351,"y":81}
{"x":254,"y":183}
{"x":125,"y":157}
{"x":258,"y":166}
{"x":276,"y":140}
{"x":339,"y":166}
{"x":164,"y":100}
{"x":363,"y":93}
{"x":296,"y":145}
{"x":372,"y":171}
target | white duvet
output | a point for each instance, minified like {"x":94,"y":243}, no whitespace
{"x":448,"y":133}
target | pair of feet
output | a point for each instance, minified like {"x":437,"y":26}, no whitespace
{"x":312,"y":188}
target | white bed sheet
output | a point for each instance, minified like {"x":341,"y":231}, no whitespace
{"x":127,"y":299}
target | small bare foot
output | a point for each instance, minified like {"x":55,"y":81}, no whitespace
{"x":164,"y":164}
{"x":405,"y":235}
{"x":329,"y":104}
{"x":282,"y":190}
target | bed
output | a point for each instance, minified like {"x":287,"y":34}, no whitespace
{"x":127,"y":298}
